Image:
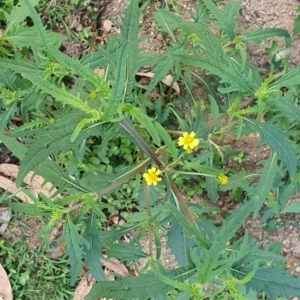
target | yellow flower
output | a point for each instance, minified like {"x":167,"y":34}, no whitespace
{"x":152,"y":176}
{"x":222,"y":179}
{"x":188,"y":141}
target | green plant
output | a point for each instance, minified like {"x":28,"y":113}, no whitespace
{"x":211,"y":260}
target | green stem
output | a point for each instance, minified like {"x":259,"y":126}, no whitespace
{"x":181,"y":202}
{"x":194,"y":173}
{"x":146,"y":193}
{"x":143,"y":145}
{"x":125,"y":178}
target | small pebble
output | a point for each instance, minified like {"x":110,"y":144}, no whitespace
{"x":79,"y":28}
{"x":107,"y":25}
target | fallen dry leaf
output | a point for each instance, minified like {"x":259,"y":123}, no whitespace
{"x":34,"y":182}
{"x":83,"y":288}
{"x":115,"y":266}
{"x":168,"y":80}
{"x":5,"y":288}
{"x":4,"y":218}
{"x":11,"y":187}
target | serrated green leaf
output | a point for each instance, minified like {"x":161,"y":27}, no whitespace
{"x":141,"y":287}
{"x":201,"y":168}
{"x":284,"y":106}
{"x":162,"y":68}
{"x":74,"y":241}
{"x":273,"y":282}
{"x":296,"y":28}
{"x":294,"y":207}
{"x":20,"y":65}
{"x":19,"y":37}
{"x":93,"y":252}
{"x":108,"y":238}
{"x":146,"y":122}
{"x":209,"y":42}
{"x":263,"y":34}
{"x":128,"y":62}
{"x":52,"y":141}
{"x":237,"y":180}
{"x":224,"y":19}
{"x":53,"y":173}
{"x":265,"y":183}
{"x":288,"y":80}
{"x":96,"y":59}
{"x":277,"y":140}
{"x":60,"y":94}
{"x":119,"y":85}
{"x":201,"y":13}
{"x":165,"y":21}
{"x":6,"y":115}
{"x":130,"y":253}
{"x":18,"y":14}
{"x":211,"y":188}
{"x":153,"y":196}
{"x":228,"y":230}
{"x":190,"y":230}
{"x":176,"y":242}
{"x":29,"y":209}
{"x":6,"y":77}
{"x":19,"y":150}
{"x":130,"y":23}
{"x":167,"y":140}
{"x":230,"y":71}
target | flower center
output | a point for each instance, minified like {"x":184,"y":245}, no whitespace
{"x":153,"y":177}
{"x":188,"y":139}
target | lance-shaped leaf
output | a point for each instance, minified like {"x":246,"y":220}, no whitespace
{"x":52,"y":141}
{"x":228,"y":230}
{"x":225,"y":18}
{"x":18,"y":14}
{"x":237,"y":180}
{"x":20,"y":66}
{"x":230,"y":71}
{"x":166,"y":21}
{"x":288,"y":80}
{"x":273,"y":282}
{"x":130,"y":253}
{"x":190,"y":229}
{"x":93,"y":252}
{"x":278,"y":141}
{"x":167,"y":140}
{"x":262,"y":34}
{"x":6,"y":115}
{"x":74,"y":243}
{"x":266,"y":181}
{"x":164,"y":65}
{"x":143,"y":287}
{"x":284,"y":106}
{"x":19,"y":150}
{"x":60,"y":94}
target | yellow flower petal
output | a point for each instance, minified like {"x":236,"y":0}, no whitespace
{"x":152,"y":176}
{"x":222,"y":179}
{"x":188,"y":141}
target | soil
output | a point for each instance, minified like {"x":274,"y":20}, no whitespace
{"x":255,"y":14}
